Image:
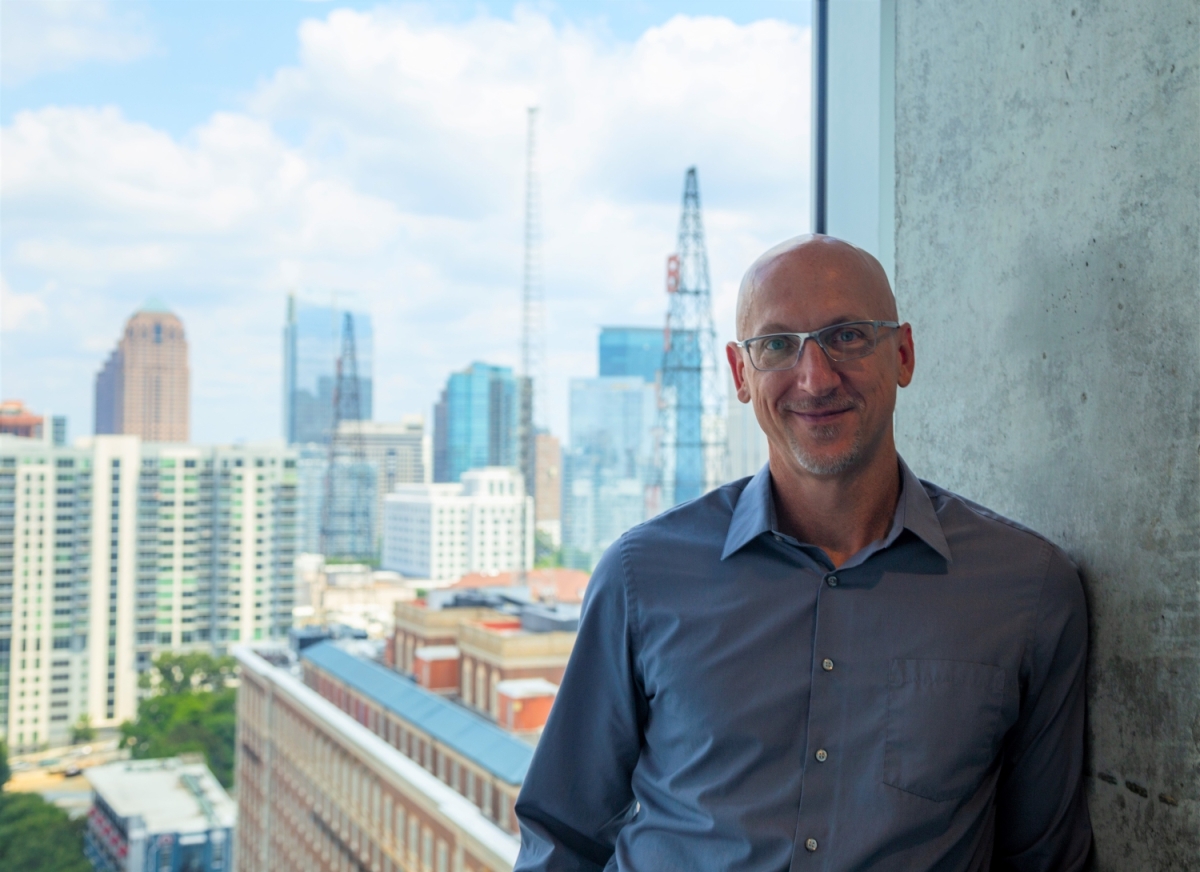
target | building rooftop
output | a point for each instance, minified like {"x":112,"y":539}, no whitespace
{"x":170,"y":796}
{"x":479,"y":740}
{"x":526,"y":688}
{"x":437,"y":652}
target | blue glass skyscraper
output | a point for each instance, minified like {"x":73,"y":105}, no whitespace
{"x":626,"y":351}
{"x":477,"y":421}
{"x":311,"y":343}
{"x":608,"y":464}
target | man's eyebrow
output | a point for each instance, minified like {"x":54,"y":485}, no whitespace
{"x":776,"y":327}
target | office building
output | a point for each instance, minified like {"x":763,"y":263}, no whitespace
{"x":166,"y":815}
{"x":357,"y":768}
{"x":443,"y":531}
{"x":115,"y":550}
{"x":312,"y":459}
{"x":631,"y":351}
{"x":477,"y":421}
{"x":398,"y":452}
{"x":312,"y":337}
{"x":610,"y":463}
{"x":747,"y":442}
{"x":547,"y":498}
{"x":16,"y":420}
{"x":143,"y":388}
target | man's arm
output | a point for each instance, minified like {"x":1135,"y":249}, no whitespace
{"x":1042,"y":822}
{"x":577,"y":793}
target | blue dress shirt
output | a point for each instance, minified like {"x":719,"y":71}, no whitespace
{"x":733,"y":702}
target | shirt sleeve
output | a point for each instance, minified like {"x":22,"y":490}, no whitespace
{"x":1042,"y":822}
{"x":577,"y":793}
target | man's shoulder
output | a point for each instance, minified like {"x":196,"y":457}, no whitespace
{"x":698,"y":525}
{"x":978,"y":529}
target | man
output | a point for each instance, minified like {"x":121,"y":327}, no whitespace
{"x":832,"y":665}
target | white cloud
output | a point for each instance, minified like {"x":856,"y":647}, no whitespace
{"x":40,"y":36}
{"x":403,"y":189}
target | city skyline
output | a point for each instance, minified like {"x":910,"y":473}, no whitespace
{"x":277,"y":183}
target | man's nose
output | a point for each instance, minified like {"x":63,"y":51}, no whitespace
{"x":814,"y":370}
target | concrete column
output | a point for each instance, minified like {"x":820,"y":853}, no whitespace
{"x":1048,"y":255}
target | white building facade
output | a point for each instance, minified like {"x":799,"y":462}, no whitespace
{"x":441,"y":532}
{"x":115,"y":550}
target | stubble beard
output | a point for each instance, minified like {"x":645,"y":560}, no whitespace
{"x":825,"y":464}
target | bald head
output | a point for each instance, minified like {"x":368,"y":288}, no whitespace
{"x":816,"y":265}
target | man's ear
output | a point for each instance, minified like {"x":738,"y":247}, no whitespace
{"x":737,"y":366}
{"x":906,"y":355}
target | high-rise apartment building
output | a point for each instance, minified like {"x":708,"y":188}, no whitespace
{"x":311,"y":346}
{"x":547,"y":497}
{"x":631,"y":351}
{"x":477,"y":421}
{"x":143,"y":388}
{"x":443,"y":531}
{"x":609,"y":465}
{"x":335,"y":773}
{"x":115,"y":550}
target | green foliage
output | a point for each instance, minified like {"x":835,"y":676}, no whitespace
{"x":83,"y":731}
{"x":176,"y":673}
{"x":192,"y":709}
{"x":5,"y":772}
{"x":36,"y":836}
{"x":545,"y":555}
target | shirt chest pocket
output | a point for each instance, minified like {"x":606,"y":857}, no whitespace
{"x":944,"y":726}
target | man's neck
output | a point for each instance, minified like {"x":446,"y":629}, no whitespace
{"x":839,"y":514}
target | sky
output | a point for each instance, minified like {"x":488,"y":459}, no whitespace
{"x":219,"y":156}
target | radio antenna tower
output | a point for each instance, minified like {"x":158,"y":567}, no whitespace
{"x":691,"y":404}
{"x":532,"y":314}
{"x":346,"y":529}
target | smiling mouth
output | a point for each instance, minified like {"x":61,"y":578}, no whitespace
{"x":820,"y":416}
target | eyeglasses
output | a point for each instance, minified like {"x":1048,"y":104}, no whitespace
{"x":840,"y":342}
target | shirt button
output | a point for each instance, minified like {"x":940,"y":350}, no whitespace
{"x":833,"y":581}
{"x":821,"y":755}
{"x":827,"y":665}
{"x":811,"y":844}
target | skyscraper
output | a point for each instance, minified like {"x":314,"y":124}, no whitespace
{"x":311,"y":344}
{"x":477,"y":421}
{"x":626,"y":351}
{"x":609,"y":464}
{"x":143,"y":388}
{"x":547,"y":497}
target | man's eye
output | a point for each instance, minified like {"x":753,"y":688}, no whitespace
{"x":775,"y":343}
{"x":845,"y":335}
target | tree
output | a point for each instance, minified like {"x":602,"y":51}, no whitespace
{"x":36,"y":836}
{"x":5,"y":772}
{"x":545,"y":554}
{"x":83,"y":731}
{"x":191,"y":708}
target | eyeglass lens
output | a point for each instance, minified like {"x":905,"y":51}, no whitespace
{"x":841,"y":342}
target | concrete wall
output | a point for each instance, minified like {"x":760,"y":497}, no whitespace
{"x":1048,"y":255}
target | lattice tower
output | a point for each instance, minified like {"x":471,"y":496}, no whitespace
{"x":692,"y":399}
{"x":346,"y":528}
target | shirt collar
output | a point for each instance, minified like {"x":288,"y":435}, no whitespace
{"x":754,"y":514}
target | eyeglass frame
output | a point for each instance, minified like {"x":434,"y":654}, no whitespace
{"x":814,"y":335}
